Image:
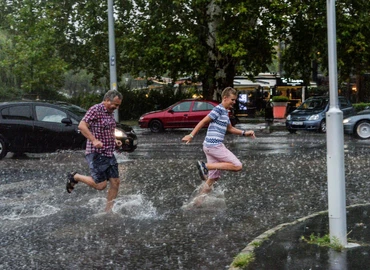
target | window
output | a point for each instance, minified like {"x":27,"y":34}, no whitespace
{"x":21,"y":112}
{"x":49,"y":114}
{"x":314,"y":104}
{"x":202,"y":106}
{"x":343,"y":103}
{"x":182,"y":107}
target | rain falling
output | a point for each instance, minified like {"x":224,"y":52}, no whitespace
{"x":152,"y":225}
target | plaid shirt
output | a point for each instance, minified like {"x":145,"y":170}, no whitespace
{"x":102,"y":124}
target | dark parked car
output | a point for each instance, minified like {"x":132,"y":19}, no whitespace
{"x":311,"y":114}
{"x":186,"y":113}
{"x":37,"y":127}
{"x":358,"y":125}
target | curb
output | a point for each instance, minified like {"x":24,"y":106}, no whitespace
{"x":249,"y":249}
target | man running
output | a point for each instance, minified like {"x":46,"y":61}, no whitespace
{"x":98,"y":126}
{"x":218,"y":156}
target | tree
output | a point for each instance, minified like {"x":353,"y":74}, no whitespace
{"x":7,"y":76}
{"x":305,"y":39}
{"x":211,"y":39}
{"x":353,"y":31}
{"x":34,"y":56}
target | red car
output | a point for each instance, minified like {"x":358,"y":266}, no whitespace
{"x":186,"y":113}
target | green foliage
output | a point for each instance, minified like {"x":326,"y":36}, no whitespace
{"x":87,"y":100}
{"x":317,"y":91}
{"x":210,"y":41}
{"x":280,"y":99}
{"x":324,"y":241}
{"x":256,"y":243}
{"x":360,"y":106}
{"x":7,"y":76}
{"x":34,"y":57}
{"x":304,"y":42}
{"x":135,"y":102}
{"x":242,"y":260}
{"x":10,"y":93}
{"x":304,"y":38}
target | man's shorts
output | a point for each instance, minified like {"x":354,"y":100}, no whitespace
{"x":102,"y":167}
{"x":217,"y":154}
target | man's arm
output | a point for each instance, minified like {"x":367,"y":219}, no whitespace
{"x":206,"y":120}
{"x":85,"y":130}
{"x":236,"y":131}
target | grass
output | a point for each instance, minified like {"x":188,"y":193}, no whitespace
{"x":242,"y":260}
{"x":256,"y":243}
{"x":324,"y":241}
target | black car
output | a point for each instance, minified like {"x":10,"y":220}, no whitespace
{"x":38,"y":127}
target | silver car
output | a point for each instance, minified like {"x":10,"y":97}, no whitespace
{"x":311,"y":114}
{"x":358,"y":125}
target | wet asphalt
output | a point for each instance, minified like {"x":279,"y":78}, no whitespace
{"x":283,"y":247}
{"x":283,"y":179}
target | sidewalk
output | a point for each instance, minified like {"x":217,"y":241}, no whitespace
{"x":283,"y":248}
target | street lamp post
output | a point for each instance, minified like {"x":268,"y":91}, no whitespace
{"x":335,"y":141}
{"x":112,"y":53}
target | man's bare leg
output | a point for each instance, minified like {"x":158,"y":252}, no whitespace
{"x":88,"y":180}
{"x":205,"y":189}
{"x":208,"y":185}
{"x":112,"y":193}
{"x":223,"y":166}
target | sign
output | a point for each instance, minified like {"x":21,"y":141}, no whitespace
{"x":289,"y":82}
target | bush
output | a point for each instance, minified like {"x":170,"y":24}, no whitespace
{"x":136,"y":102}
{"x":360,"y":106}
{"x":10,"y":93}
{"x":280,"y":99}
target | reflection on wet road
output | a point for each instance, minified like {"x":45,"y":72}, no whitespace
{"x":283,"y":178}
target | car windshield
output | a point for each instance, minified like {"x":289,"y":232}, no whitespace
{"x":314,"y":104}
{"x":74,"y":109}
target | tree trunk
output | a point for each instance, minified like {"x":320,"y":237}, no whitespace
{"x":359,"y":86}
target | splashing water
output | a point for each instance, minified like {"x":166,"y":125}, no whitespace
{"x":121,"y":157}
{"x":21,"y":211}
{"x":129,"y":206}
{"x":214,"y":200}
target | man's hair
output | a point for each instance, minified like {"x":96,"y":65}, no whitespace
{"x":228,"y":91}
{"x":111,"y":94}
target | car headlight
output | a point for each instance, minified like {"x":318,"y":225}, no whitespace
{"x":119,"y":133}
{"x":288,"y":117}
{"x":347,"y":120}
{"x":314,"y":117}
{"x":141,"y":118}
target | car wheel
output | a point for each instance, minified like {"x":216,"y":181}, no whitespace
{"x":3,"y":148}
{"x":292,"y":131}
{"x":362,"y":129}
{"x":322,"y":128}
{"x":156,"y":126}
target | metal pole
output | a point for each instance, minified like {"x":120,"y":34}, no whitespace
{"x":335,"y":142}
{"x":112,"y":52}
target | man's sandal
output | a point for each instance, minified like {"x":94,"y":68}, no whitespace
{"x":71,"y":182}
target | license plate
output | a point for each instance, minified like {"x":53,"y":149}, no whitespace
{"x":297,"y":123}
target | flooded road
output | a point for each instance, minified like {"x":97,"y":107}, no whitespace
{"x":283,"y":178}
